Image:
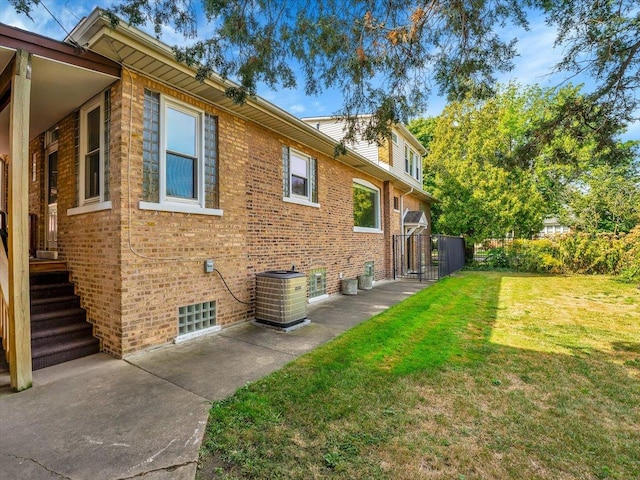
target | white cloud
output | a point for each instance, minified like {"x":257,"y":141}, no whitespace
{"x":297,"y":108}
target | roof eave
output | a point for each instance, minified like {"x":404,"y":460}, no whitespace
{"x":96,"y":27}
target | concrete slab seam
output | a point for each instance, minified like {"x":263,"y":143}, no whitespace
{"x":165,"y":380}
{"x":294,"y":356}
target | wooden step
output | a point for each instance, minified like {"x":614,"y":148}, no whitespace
{"x":57,"y":318}
{"x":51,"y":291}
{"x":59,"y":328}
{"x":36,"y":265}
{"x":54,"y":354}
{"x":48,"y":278}
{"x":61,"y":334}
{"x":44,"y":305}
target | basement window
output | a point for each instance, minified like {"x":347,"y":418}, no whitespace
{"x":195,"y":320}
{"x":317,"y":283}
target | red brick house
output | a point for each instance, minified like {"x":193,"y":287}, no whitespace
{"x":128,"y":174}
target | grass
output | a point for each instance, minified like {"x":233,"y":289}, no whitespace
{"x":483,"y":375}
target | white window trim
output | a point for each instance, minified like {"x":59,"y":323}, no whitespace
{"x":394,"y":138}
{"x":418,"y":166}
{"x":365,"y":183}
{"x":318,"y":298}
{"x":97,"y":101}
{"x":367,"y":230}
{"x":91,"y":207}
{"x":417,"y":163}
{"x":300,"y":199}
{"x":175,"y":204}
{"x":180,"y":208}
{"x":199,"y":333}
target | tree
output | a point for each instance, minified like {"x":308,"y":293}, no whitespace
{"x":497,"y":167}
{"x":385,"y":55}
{"x":485,"y":189}
{"x":606,"y":199}
{"x":601,"y":38}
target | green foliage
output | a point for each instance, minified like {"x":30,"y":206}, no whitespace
{"x":385,"y":57}
{"x":602,"y":39}
{"x":587,"y":253}
{"x":604,"y":199}
{"x":630,"y":261}
{"x":502,"y":165}
{"x":577,"y":252}
{"x":475,"y":168}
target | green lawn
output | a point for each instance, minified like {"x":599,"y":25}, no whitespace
{"x":483,"y":375}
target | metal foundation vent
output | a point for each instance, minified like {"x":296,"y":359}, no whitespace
{"x":281,"y":298}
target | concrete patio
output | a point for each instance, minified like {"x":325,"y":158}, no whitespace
{"x":102,"y":418}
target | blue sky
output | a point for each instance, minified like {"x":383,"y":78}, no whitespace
{"x":536,"y":60}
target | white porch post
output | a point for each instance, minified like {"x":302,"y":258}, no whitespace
{"x":18,"y":225}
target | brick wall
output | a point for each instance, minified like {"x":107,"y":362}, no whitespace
{"x":37,"y":202}
{"x":134,"y":268}
{"x":90,"y":242}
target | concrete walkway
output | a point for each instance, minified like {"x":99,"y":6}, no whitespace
{"x":100,"y":418}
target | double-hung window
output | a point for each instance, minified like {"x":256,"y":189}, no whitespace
{"x":366,"y":207}
{"x":300,"y":179}
{"x":179,"y":157}
{"x":181,"y":154}
{"x":412,"y":163}
{"x":92,"y":155}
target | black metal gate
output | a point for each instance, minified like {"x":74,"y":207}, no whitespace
{"x":426,"y":257}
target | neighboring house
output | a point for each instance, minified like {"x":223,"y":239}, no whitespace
{"x":134,"y":174}
{"x":551,"y":227}
{"x":400,"y":155}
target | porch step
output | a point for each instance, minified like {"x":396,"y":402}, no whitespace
{"x":45,"y":305}
{"x":52,"y":290}
{"x":63,"y":352}
{"x":57,"y":318}
{"x":59,"y":328}
{"x":42,"y":338}
{"x":48,"y":277}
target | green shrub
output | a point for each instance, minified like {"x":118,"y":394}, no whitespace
{"x":630,"y":261}
{"x":587,"y":253}
{"x":537,"y":256}
{"x":578,"y":252}
{"x":497,"y":258}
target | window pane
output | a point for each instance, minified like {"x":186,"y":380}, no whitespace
{"x":299,"y":185}
{"x":365,"y":207}
{"x":53,"y":177}
{"x":181,"y":132}
{"x":92,"y":175}
{"x":181,"y":176}
{"x":93,"y":129}
{"x":298,"y":166}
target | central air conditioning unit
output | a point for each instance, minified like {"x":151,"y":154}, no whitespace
{"x":281,"y":298}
